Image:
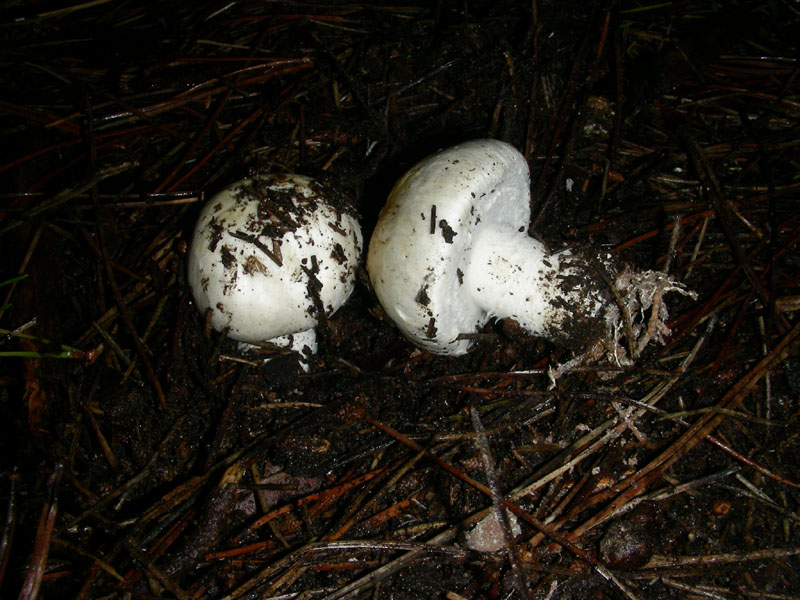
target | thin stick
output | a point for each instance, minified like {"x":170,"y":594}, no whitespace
{"x":124,"y":311}
{"x":636,"y":485}
{"x":512,"y":550}
{"x":44,"y":535}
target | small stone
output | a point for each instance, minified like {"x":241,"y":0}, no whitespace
{"x":487,"y":535}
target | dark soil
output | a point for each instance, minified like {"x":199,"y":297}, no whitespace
{"x":145,"y":457}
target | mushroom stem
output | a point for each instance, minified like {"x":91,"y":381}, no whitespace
{"x":550,"y":295}
{"x":304,"y":342}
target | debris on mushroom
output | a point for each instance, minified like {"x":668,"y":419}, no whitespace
{"x":271,"y":258}
{"x":451,"y":251}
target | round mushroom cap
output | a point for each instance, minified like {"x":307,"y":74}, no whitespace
{"x":270,"y":256}
{"x":421,"y":246}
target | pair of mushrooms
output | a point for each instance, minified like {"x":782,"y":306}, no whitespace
{"x":271,"y":258}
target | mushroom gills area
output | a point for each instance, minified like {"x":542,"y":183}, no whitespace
{"x":512,"y":275}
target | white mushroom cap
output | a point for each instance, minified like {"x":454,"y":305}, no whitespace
{"x":420,"y":251}
{"x":269,"y":255}
{"x":451,"y":251}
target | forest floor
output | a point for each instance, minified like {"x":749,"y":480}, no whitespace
{"x":144,"y":456}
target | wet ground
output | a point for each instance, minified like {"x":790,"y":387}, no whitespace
{"x":146,"y":456}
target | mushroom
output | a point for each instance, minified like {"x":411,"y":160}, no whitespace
{"x":451,"y":251}
{"x":271,"y":258}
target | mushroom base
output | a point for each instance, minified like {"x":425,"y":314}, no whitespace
{"x":585,"y":303}
{"x":559,"y":296}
